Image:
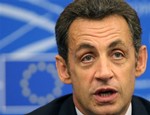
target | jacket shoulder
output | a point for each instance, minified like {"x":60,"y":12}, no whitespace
{"x":143,"y":104}
{"x":52,"y":107}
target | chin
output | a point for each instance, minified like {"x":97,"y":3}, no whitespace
{"x":107,"y":110}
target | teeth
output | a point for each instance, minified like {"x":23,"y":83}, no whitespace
{"x":105,"y":94}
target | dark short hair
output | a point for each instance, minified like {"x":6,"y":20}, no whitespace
{"x":95,"y":9}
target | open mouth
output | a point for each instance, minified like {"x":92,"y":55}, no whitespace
{"x":105,"y":92}
{"x":105,"y":95}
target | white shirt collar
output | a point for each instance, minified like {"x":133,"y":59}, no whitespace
{"x":78,"y":112}
{"x":129,"y":111}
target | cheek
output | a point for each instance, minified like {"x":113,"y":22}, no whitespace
{"x":81,"y":79}
{"x":78,"y":75}
{"x":127,"y":71}
{"x":127,"y":79}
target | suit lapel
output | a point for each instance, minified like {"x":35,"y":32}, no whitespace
{"x":68,"y":107}
{"x":138,"y":107}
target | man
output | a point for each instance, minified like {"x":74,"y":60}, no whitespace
{"x":101,"y":55}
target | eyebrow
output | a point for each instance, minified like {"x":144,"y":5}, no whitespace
{"x":85,"y":46}
{"x":116,"y":43}
{"x":112,"y":45}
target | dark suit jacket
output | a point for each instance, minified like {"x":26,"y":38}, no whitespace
{"x":65,"y":106}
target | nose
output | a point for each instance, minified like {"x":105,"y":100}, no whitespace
{"x":104,"y":70}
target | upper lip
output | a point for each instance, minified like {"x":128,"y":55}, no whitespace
{"x":105,"y":89}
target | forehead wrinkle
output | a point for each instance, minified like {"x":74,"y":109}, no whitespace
{"x":90,"y":30}
{"x":102,"y":28}
{"x":105,"y":33}
{"x":93,"y":35}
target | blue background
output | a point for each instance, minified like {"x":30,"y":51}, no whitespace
{"x":28,"y":76}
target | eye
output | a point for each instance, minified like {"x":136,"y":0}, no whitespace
{"x":118,"y":55}
{"x":87,"y":58}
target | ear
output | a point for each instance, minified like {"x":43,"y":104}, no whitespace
{"x":141,"y":61}
{"x":62,"y":70}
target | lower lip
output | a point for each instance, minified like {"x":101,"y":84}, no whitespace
{"x":105,"y":99}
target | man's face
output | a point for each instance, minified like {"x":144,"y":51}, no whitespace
{"x":102,"y":65}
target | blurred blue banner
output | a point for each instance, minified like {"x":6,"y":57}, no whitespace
{"x":28,"y":76}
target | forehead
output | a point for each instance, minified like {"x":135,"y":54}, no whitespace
{"x":106,"y":29}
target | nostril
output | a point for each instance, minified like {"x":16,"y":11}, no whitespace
{"x":104,"y":77}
